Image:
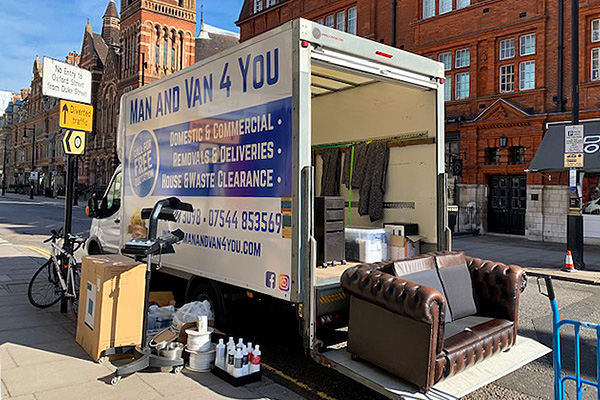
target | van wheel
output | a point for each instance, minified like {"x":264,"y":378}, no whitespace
{"x":94,"y":249}
{"x":206,"y":291}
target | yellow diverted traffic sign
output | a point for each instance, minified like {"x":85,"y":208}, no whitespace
{"x":74,"y":142}
{"x":76,"y":116}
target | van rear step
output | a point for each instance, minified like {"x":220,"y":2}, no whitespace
{"x":525,"y":351}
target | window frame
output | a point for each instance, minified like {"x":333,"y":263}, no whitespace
{"x":430,"y":7}
{"x":521,"y":80}
{"x":595,"y":31}
{"x":457,"y":57}
{"x":327,"y":17}
{"x":500,"y":75}
{"x":258,"y":6}
{"x":503,"y":50}
{"x":460,"y":4}
{"x":445,"y":3}
{"x":516,"y":155}
{"x":488,"y":155}
{"x":354,"y":10}
{"x":458,"y":86}
{"x":595,"y":59}
{"x":521,"y":53}
{"x":448,"y":88}
{"x":449,"y":65}
{"x":340,"y":22}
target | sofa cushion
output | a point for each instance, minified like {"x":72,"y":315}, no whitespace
{"x":480,"y":329}
{"x":457,"y":284}
{"x":430,"y":278}
{"x":415,"y":264}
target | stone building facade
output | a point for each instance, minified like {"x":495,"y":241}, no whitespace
{"x":502,"y":63}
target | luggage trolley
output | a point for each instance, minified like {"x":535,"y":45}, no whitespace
{"x":557,"y":324}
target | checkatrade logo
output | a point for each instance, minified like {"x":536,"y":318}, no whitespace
{"x":270,"y":279}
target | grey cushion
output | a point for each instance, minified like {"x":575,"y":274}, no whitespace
{"x":415,"y":264}
{"x":458,"y":288}
{"x":430,"y":278}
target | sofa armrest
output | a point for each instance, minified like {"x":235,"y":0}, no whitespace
{"x":418,"y":302}
{"x":497,"y":287}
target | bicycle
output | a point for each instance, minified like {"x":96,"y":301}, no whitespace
{"x":59,"y":277}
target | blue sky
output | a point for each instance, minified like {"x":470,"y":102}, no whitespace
{"x":55,"y":27}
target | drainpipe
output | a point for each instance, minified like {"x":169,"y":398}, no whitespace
{"x":394,"y":12}
{"x":560,"y":106}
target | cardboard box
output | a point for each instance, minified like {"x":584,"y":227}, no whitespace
{"x":111,"y":303}
{"x":404,"y":240}
{"x":161,"y":299}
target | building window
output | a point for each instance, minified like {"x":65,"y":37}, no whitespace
{"x":320,"y":21}
{"x":258,"y":6}
{"x":463,"y":58}
{"x":448,"y":88}
{"x":157,"y":54}
{"x":507,"y":49}
{"x":527,"y":75}
{"x":166,"y":52}
{"x":446,"y":58}
{"x":516,"y":155}
{"x":173,"y":56}
{"x":596,"y":30}
{"x":428,"y":8}
{"x":271,"y":3}
{"x":492,"y":156}
{"x":527,"y":44}
{"x":507,"y":78}
{"x":462,"y":4}
{"x":462,"y":86}
{"x":596,"y":64}
{"x":445,"y":6}
{"x":329,"y":21}
{"x":352,"y":20}
{"x":340,"y":20}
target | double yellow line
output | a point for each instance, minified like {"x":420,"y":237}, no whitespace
{"x":38,"y":250}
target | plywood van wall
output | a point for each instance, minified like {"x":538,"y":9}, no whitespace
{"x":385,"y":110}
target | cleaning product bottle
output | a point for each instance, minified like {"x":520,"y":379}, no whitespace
{"x":245,"y":366}
{"x":230,"y":342}
{"x":237,"y":364}
{"x":250,"y":349}
{"x":240,"y":344}
{"x":255,"y":365}
{"x":230,"y":358}
{"x":220,"y":356}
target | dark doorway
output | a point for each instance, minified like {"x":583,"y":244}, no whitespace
{"x":507,"y":204}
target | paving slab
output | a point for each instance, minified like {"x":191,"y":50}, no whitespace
{"x":46,"y":352}
{"x":6,"y":360}
{"x":27,"y":320}
{"x":171,"y":384}
{"x":130,"y":388}
{"x":3,"y":391}
{"x":35,"y":335}
{"x":24,"y":397}
{"x":206,"y":393}
{"x":46,"y":376}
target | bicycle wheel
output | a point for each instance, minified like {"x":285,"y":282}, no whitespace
{"x":44,"y":288}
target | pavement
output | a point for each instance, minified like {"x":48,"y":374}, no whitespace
{"x":538,"y":258}
{"x":40,"y":360}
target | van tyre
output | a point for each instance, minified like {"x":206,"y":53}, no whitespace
{"x":206,"y":291}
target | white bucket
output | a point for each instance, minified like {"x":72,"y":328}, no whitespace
{"x":198,"y":341}
{"x":201,"y":361}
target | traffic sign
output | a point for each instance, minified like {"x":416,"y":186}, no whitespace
{"x":33,"y":176}
{"x":574,"y":139}
{"x":76,"y":116}
{"x":74,"y":142}
{"x":66,"y":81}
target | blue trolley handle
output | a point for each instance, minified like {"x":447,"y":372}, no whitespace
{"x":549,"y":287}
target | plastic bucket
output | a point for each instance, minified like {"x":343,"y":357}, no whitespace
{"x":201,"y":361}
{"x":172,"y":351}
{"x":198,"y":341}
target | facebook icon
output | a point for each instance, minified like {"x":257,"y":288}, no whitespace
{"x":270,"y":279}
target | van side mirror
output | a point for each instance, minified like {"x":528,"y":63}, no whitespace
{"x":92,"y":208}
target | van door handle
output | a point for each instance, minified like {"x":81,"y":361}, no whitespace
{"x":117,"y":221}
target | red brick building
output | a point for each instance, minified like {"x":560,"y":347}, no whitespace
{"x":503,"y":74}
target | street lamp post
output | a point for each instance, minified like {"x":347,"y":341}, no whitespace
{"x":32,"y":159}
{"x":4,"y":165}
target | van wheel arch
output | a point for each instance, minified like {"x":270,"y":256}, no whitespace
{"x":94,"y":248}
{"x":200,"y":289}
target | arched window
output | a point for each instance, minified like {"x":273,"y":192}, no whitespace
{"x":166,"y":50}
{"x":180,"y":50}
{"x":157,"y":54}
{"x":173,"y":51}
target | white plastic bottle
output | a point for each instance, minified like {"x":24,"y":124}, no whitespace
{"x":220,"y":354}
{"x":245,"y":366}
{"x":240,"y":344}
{"x":230,"y":342}
{"x":230,"y":358}
{"x":237,"y":364}
{"x":255,"y":365}
{"x":250,"y":350}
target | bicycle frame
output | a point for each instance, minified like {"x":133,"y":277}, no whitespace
{"x":557,"y":324}
{"x":70,"y":283}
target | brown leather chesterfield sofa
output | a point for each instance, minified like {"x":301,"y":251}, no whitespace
{"x":430,"y":317}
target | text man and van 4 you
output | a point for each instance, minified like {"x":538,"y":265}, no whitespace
{"x":250,"y":72}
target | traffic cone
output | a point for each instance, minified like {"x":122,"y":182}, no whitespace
{"x":569,"y":267}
